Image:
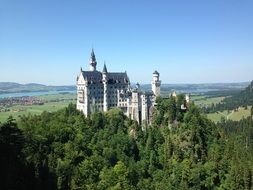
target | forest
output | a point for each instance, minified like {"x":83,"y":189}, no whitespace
{"x":179,"y":150}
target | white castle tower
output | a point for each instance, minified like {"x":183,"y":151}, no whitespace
{"x":156,"y":83}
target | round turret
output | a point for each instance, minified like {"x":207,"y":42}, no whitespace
{"x":156,"y":83}
{"x":155,"y":76}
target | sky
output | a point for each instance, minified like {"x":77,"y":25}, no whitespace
{"x":187,"y":41}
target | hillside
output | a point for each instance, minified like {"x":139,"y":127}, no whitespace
{"x":11,"y":87}
{"x":243,"y":98}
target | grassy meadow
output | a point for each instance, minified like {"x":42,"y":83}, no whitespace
{"x":228,"y":114}
{"x":206,"y":101}
{"x":53,"y":102}
{"x":232,"y":115}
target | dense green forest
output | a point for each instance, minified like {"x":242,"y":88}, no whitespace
{"x":180,"y":150}
{"x":243,"y":98}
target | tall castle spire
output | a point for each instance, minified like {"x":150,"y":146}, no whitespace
{"x":93,"y":61}
{"x":104,"y":69}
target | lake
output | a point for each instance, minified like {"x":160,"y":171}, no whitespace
{"x":20,"y":94}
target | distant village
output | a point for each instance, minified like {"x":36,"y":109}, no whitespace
{"x":5,"y":103}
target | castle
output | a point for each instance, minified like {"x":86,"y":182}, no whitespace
{"x":100,"y":91}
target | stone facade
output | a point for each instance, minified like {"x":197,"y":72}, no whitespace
{"x":100,"y":91}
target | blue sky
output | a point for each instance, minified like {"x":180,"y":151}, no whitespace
{"x":187,"y":41}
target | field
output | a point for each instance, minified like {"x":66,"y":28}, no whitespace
{"x":233,"y":115}
{"x":216,"y":117}
{"x":53,"y":103}
{"x":206,"y":101}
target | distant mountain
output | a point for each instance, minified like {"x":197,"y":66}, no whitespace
{"x":12,"y":87}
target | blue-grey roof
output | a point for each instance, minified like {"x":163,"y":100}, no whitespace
{"x":92,"y":75}
{"x":93,"y":57}
{"x":156,"y":72}
{"x":117,"y":78}
{"x":96,"y":77}
{"x":104,"y":69}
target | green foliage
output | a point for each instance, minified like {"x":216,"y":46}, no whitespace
{"x":14,"y":170}
{"x":65,"y":150}
{"x":169,"y":110}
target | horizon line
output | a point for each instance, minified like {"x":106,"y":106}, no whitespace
{"x":132,"y":83}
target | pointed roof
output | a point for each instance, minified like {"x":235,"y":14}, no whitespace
{"x":137,"y":85}
{"x":92,"y":56}
{"x":104,"y":69}
{"x":155,"y":72}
